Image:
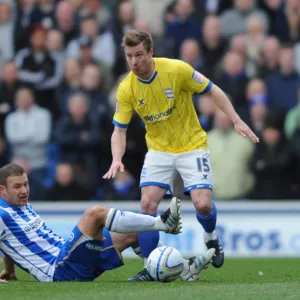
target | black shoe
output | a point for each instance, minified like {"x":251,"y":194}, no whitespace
{"x":141,"y":276}
{"x":218,"y":259}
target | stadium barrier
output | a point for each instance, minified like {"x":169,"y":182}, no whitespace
{"x":247,"y":229}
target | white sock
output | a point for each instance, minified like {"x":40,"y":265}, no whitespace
{"x":145,"y":261}
{"x":128,"y":222}
{"x":208,"y":236}
{"x":138,"y":252}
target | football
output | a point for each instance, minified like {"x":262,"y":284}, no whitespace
{"x":165,"y":264}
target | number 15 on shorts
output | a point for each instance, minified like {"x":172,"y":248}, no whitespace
{"x":203,"y":164}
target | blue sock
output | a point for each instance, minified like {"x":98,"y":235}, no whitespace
{"x":208,"y":222}
{"x":148,"y":240}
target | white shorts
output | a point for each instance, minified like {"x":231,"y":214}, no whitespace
{"x":160,"y":169}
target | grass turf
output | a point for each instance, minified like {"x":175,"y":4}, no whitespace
{"x":237,"y":279}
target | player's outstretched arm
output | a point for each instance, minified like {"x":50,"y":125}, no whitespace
{"x":222,"y":101}
{"x":9,"y":272}
{"x":118,"y":146}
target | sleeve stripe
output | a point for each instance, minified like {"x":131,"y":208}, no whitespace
{"x":120,"y":124}
{"x":207,"y":89}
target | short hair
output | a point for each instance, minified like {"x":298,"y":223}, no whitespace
{"x":10,"y":170}
{"x":134,"y":37}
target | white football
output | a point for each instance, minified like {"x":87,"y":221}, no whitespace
{"x":165,"y":264}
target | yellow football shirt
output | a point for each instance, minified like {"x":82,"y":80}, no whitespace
{"x":164,"y":102}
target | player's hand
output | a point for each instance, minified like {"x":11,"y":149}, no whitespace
{"x":115,"y":167}
{"x":243,"y":129}
{"x":5,"y":276}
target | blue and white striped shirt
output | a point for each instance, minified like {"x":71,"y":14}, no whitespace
{"x":26,"y":239}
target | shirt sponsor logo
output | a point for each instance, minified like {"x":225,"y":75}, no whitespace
{"x":36,"y":224}
{"x":93,"y":247}
{"x":156,"y":117}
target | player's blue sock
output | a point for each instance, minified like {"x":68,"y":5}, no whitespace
{"x":208,"y":222}
{"x":148,"y":240}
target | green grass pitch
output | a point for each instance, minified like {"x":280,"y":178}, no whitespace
{"x":237,"y":279}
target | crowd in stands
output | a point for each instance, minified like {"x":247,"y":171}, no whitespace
{"x":61,"y":63}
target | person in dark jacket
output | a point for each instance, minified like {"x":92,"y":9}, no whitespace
{"x":65,"y":187}
{"x":273,"y":165}
{"x":78,"y":137}
{"x":40,"y":69}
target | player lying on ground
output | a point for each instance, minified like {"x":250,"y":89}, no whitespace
{"x":160,"y":91}
{"x":93,"y":247}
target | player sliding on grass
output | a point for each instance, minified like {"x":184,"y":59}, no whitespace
{"x":160,"y":90}
{"x":93,"y":246}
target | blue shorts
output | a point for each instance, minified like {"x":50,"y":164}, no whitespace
{"x":84,"y":259}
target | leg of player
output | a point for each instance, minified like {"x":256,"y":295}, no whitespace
{"x":97,"y":217}
{"x":207,"y":217}
{"x":151,"y":197}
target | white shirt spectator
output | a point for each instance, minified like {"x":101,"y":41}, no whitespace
{"x":103,"y":49}
{"x":28,"y":134}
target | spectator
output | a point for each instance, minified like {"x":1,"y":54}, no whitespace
{"x":258,"y":105}
{"x":183,"y":27}
{"x":6,"y":33}
{"x":55,"y":42}
{"x":270,"y":57}
{"x":142,"y":25}
{"x":231,"y":154}
{"x":40,"y":69}
{"x":123,"y":187}
{"x":255,"y":36}
{"x":206,"y":109}
{"x":233,"y":79}
{"x":47,"y":11}
{"x":238,"y":44}
{"x":71,"y":84}
{"x":28,"y":132}
{"x":95,"y":7}
{"x":77,"y":134}
{"x":122,"y":20}
{"x":27,"y":15}
{"x":287,"y":27}
{"x":103,"y":44}
{"x":213,"y":45}
{"x":152,"y":12}
{"x":8,"y":87}
{"x":233,"y":20}
{"x":283,"y":86}
{"x":273,"y":165}
{"x":190,"y":53}
{"x":65,"y":21}
{"x":92,"y":88}
{"x":65,"y":187}
{"x":86,"y":58}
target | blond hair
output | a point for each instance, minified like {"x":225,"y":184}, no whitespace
{"x":134,"y":37}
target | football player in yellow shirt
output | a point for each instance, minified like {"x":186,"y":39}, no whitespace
{"x":160,"y":91}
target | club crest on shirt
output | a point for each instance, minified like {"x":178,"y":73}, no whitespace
{"x":169,"y":93}
{"x":198,"y":77}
